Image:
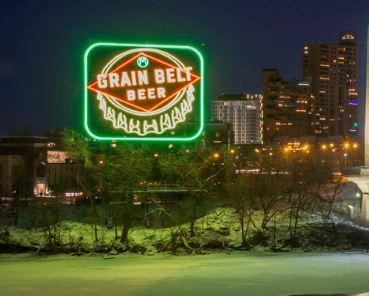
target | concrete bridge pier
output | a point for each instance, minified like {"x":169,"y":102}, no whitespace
{"x":362,"y":182}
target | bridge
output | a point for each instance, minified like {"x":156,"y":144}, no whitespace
{"x":362,"y":181}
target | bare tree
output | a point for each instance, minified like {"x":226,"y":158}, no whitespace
{"x":86,"y":173}
{"x":308,"y":174}
{"x":268,"y":186}
{"x":192,"y":169}
{"x":238,"y":191}
{"x":124,"y":168}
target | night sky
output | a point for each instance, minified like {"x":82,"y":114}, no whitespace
{"x":43,"y":42}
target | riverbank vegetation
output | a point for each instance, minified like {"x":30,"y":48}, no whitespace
{"x":187,"y":199}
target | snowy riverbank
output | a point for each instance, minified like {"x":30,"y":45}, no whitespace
{"x":218,"y":230}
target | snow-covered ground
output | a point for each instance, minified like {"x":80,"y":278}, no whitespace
{"x":209,"y":227}
{"x":216,"y":274}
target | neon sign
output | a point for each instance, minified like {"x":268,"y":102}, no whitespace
{"x":143,"y":92}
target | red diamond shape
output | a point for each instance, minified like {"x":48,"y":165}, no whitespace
{"x":148,"y":107}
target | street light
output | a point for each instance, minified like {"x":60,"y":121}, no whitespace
{"x":216,"y":155}
{"x":346,"y":146}
{"x":324,"y":146}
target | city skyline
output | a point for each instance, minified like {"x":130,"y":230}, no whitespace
{"x":241,"y":39}
{"x":199,"y":147}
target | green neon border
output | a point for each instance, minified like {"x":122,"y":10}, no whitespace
{"x":144,"y":138}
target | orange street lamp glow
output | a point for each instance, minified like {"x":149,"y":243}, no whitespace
{"x":324,"y":146}
{"x":346,"y":145}
{"x":355,"y":145}
{"x":216,"y":155}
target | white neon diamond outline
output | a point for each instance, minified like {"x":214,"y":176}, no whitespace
{"x":124,"y":108}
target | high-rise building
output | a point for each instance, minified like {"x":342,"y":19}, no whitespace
{"x":244,"y":113}
{"x":332,"y":70}
{"x":287,"y":107}
{"x":366,"y":132}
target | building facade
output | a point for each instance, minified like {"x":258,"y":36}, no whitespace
{"x":332,"y":70}
{"x":244,"y":112}
{"x":35,"y":166}
{"x":23,"y":166}
{"x":218,"y":133}
{"x":287,"y":107}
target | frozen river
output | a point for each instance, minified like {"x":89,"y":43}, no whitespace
{"x":215,"y":274}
